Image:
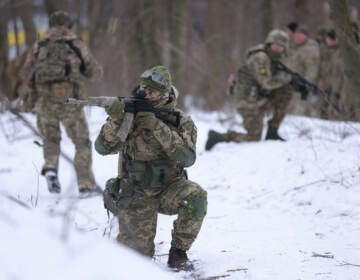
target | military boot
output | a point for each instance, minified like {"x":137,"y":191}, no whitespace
{"x":178,"y":260}
{"x":272,"y":134}
{"x":52,"y":181}
{"x":213,"y":138}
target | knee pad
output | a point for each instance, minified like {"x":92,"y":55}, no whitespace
{"x":196,"y":205}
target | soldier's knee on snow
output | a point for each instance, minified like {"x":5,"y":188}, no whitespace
{"x":196,"y":204}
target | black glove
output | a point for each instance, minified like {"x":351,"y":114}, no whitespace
{"x":138,"y":105}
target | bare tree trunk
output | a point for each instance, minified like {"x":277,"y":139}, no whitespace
{"x":176,"y":35}
{"x":53,"y":5}
{"x":350,"y":53}
{"x":15,"y":26}
{"x":5,"y":86}
{"x":301,"y":9}
{"x":26,"y":15}
{"x":144,"y":50}
{"x":215,"y":79}
{"x":100,"y":13}
{"x":267,"y":17}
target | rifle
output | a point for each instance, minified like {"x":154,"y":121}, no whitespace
{"x":132,"y":106}
{"x":299,"y":82}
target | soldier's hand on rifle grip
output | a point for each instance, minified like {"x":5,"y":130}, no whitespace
{"x":138,"y":105}
{"x":115,"y":110}
{"x":304,"y":92}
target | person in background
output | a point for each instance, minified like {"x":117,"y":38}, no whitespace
{"x":331,"y":75}
{"x":304,"y":59}
{"x":260,"y":88}
{"x":55,"y":69}
{"x":290,"y":31}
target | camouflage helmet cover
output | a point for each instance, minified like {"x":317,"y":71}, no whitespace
{"x":157,"y":78}
{"x":60,"y":18}
{"x":278,"y":36}
{"x":323,"y":30}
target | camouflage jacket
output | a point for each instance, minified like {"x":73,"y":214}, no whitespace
{"x":262,"y":70}
{"x":331,"y":74}
{"x":92,"y":69}
{"x":304,"y":59}
{"x":151,"y":141}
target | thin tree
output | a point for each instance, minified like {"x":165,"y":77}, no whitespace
{"x":350,"y":53}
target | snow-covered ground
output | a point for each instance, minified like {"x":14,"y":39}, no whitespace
{"x":276,"y":210}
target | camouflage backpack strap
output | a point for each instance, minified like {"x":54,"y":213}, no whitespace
{"x":256,"y":49}
{"x":42,"y":44}
{"x":78,"y":54}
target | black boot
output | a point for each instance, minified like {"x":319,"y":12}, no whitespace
{"x":272,"y":134}
{"x":52,"y":181}
{"x":213,"y":138}
{"x":178,"y":260}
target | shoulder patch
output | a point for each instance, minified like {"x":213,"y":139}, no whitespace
{"x":262,"y":70}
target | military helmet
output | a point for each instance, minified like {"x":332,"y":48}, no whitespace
{"x":60,"y":18}
{"x":157,"y":78}
{"x":278,"y":36}
{"x":323,"y":30}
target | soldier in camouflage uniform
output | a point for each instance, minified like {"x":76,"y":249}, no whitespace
{"x":290,"y":31}
{"x":151,"y":177}
{"x":266,"y":90}
{"x":304,"y":58}
{"x":331,"y":76}
{"x":55,"y":69}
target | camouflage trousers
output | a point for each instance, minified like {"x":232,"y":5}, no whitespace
{"x":138,"y":212}
{"x":300,"y":107}
{"x":49,"y":116}
{"x":253,"y":114}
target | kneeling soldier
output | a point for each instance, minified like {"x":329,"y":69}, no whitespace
{"x":151,"y":177}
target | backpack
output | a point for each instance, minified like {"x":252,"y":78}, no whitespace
{"x":57,"y":61}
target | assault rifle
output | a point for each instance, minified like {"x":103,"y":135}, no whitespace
{"x":303,"y":85}
{"x":132,"y":106}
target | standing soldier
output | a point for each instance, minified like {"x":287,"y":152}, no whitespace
{"x":331,"y":76}
{"x":260,"y":88}
{"x":355,"y":29}
{"x":303,"y":59}
{"x":151,"y":177}
{"x":290,"y":31}
{"x":55,"y":69}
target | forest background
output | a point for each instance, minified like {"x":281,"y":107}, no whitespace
{"x":200,"y":41}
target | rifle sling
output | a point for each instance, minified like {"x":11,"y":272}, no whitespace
{"x":78,"y":54}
